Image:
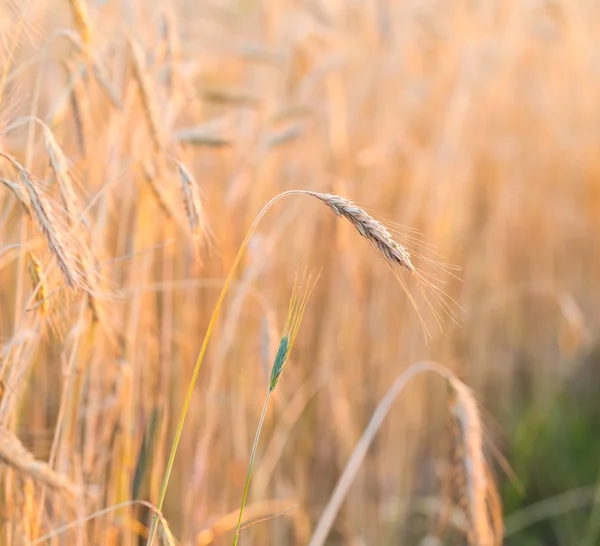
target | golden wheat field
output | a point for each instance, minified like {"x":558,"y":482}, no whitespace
{"x":334,"y":262}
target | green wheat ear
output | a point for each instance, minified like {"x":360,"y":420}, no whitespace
{"x":300,"y":294}
{"x":282,"y":353}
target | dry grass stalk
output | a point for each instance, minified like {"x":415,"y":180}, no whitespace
{"x":149,"y":103}
{"x":259,"y":511}
{"x":39,"y":282}
{"x":29,"y":509}
{"x":475,"y":487}
{"x":82,"y":22}
{"x":14,"y":454}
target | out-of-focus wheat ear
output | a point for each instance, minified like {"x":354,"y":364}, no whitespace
{"x":38,"y":282}
{"x":284,"y":135}
{"x":482,"y":502}
{"x":14,"y":455}
{"x":215,"y":133}
{"x":226,"y":96}
{"x":446,"y":474}
{"x":18,"y":193}
{"x":94,"y":308}
{"x":147,"y":96}
{"x":150,"y":175}
{"x":171,"y":36}
{"x":193,"y":204}
{"x":41,"y":211}
{"x":90,"y":264}
{"x":82,"y":22}
{"x":78,"y":107}
{"x":60,"y":166}
{"x":103,"y":79}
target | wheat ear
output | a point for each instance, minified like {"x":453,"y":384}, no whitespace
{"x":38,"y":282}
{"x":372,"y":230}
{"x":481,"y":501}
{"x":60,"y":166}
{"x":148,"y":99}
{"x":42,"y":212}
{"x":192,"y":202}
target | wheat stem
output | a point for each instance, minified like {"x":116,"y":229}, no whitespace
{"x":250,"y":465}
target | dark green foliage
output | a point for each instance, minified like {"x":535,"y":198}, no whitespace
{"x":553,"y":451}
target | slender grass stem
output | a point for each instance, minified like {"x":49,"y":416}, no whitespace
{"x":250,"y":465}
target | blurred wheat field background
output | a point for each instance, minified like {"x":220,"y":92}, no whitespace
{"x":139,"y":141}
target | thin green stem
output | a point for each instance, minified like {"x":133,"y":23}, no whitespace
{"x":250,"y":465}
{"x":192,"y":384}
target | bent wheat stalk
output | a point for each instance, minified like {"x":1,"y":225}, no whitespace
{"x":484,"y":510}
{"x":99,"y":513}
{"x":392,"y":253}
